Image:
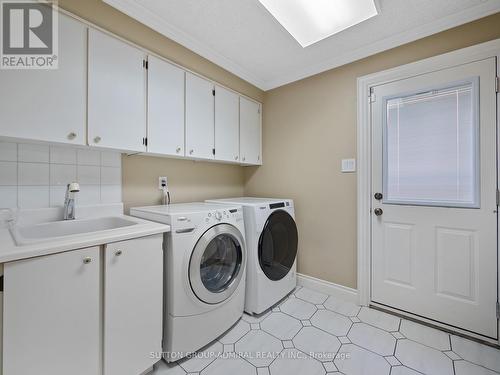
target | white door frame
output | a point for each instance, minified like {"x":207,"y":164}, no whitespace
{"x":364,"y":83}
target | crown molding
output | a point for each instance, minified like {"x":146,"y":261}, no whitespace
{"x":138,"y":12}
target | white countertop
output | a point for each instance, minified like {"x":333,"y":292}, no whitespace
{"x":9,"y":251}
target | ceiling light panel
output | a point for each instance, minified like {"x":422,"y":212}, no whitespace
{"x":310,"y":21}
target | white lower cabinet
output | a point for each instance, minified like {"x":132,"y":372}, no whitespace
{"x":133,"y":305}
{"x":85,"y":312}
{"x":51,"y":321}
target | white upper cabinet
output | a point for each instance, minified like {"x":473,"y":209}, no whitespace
{"x":133,"y":305}
{"x":49,"y":105}
{"x":51,"y":314}
{"x":165,"y":108}
{"x":116,"y":94}
{"x":226,"y":125}
{"x":199,"y":117}
{"x":250,"y":132}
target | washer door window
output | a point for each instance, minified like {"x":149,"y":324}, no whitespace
{"x":217,"y":263}
{"x":278,"y":245}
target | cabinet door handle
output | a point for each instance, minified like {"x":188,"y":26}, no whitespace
{"x":97,"y":139}
{"x":118,"y":253}
{"x":178,"y":149}
{"x":236,"y":157}
{"x":71,"y":135}
{"x":244,"y":158}
{"x":87,"y":260}
{"x":191,"y":152}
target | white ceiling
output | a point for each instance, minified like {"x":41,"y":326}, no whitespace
{"x":242,"y":37}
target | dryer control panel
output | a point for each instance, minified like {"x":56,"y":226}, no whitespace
{"x":224,"y":215}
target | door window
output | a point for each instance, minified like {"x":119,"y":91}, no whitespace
{"x":431,"y":147}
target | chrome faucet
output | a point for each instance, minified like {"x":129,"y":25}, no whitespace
{"x":69,"y":201}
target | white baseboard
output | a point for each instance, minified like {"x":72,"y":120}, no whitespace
{"x":327,"y":287}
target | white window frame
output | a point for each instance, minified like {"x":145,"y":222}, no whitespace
{"x":474,"y":82}
{"x":364,"y":84}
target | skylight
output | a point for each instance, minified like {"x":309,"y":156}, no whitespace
{"x":310,"y":21}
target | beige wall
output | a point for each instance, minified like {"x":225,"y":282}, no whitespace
{"x":188,"y":180}
{"x":309,"y":126}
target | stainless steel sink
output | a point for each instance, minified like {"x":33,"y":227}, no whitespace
{"x":43,"y":232}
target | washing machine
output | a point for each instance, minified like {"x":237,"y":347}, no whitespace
{"x":205,"y":267}
{"x":271,"y":235}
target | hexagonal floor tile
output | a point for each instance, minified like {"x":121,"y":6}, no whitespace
{"x":292,"y":361}
{"x":201,"y":359}
{"x":467,"y":368}
{"x":341,"y":306}
{"x":425,"y":335}
{"x":298,"y":308}
{"x":317,"y":343}
{"x":235,"y":333}
{"x":312,"y":296}
{"x":331,"y":322}
{"x":379,"y":319}
{"x":371,"y":338}
{"x":162,"y":368}
{"x":477,"y":353}
{"x":359,"y":361}
{"x":422,"y":358}
{"x":259,"y":348}
{"x":281,"y":325}
{"x":229,"y":366}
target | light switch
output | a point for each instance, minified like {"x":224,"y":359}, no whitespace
{"x":348,"y":165}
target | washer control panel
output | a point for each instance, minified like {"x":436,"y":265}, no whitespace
{"x":223,"y":214}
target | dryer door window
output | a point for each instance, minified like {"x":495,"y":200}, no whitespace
{"x":217,"y":264}
{"x":278,"y":245}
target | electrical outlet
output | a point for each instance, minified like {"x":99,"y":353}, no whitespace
{"x":162,"y":183}
{"x":348,"y":165}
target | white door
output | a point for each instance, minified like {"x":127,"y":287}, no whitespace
{"x":116,"y":94}
{"x":49,"y":105}
{"x":133,"y":305}
{"x":434,"y":210}
{"x":51,"y":315}
{"x":250,"y":132}
{"x":165,"y":108}
{"x":199,"y":117}
{"x":227,"y":132}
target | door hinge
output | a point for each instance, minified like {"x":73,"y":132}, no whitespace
{"x":498,"y":310}
{"x":213,"y":151}
{"x":145,"y":64}
{"x":213,"y":92}
{"x":145,"y":141}
{"x":498,"y":197}
{"x":372,"y":97}
{"x":497,"y":84}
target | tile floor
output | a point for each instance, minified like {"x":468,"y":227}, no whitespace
{"x":310,"y":333}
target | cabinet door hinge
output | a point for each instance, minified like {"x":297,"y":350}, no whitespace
{"x":145,"y":141}
{"x":497,"y":84}
{"x":498,"y":197}
{"x":213,"y":151}
{"x":145,"y":64}
{"x":498,"y":310}
{"x":213,"y":92}
{"x":372,"y":97}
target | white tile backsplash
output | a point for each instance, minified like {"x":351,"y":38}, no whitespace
{"x":30,"y":174}
{"x":62,"y":174}
{"x":34,"y":153}
{"x":8,"y":173}
{"x":35,"y":175}
{"x":8,"y":151}
{"x":88,"y":157}
{"x":89,"y":175}
{"x":63,"y":155}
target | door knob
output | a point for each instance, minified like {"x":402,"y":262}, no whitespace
{"x":178,"y":149}
{"x":191,"y":152}
{"x":97,"y":139}
{"x":378,"y":196}
{"x":71,"y":136}
{"x":378,"y":211}
{"x":118,"y":253}
{"x":87,"y":260}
